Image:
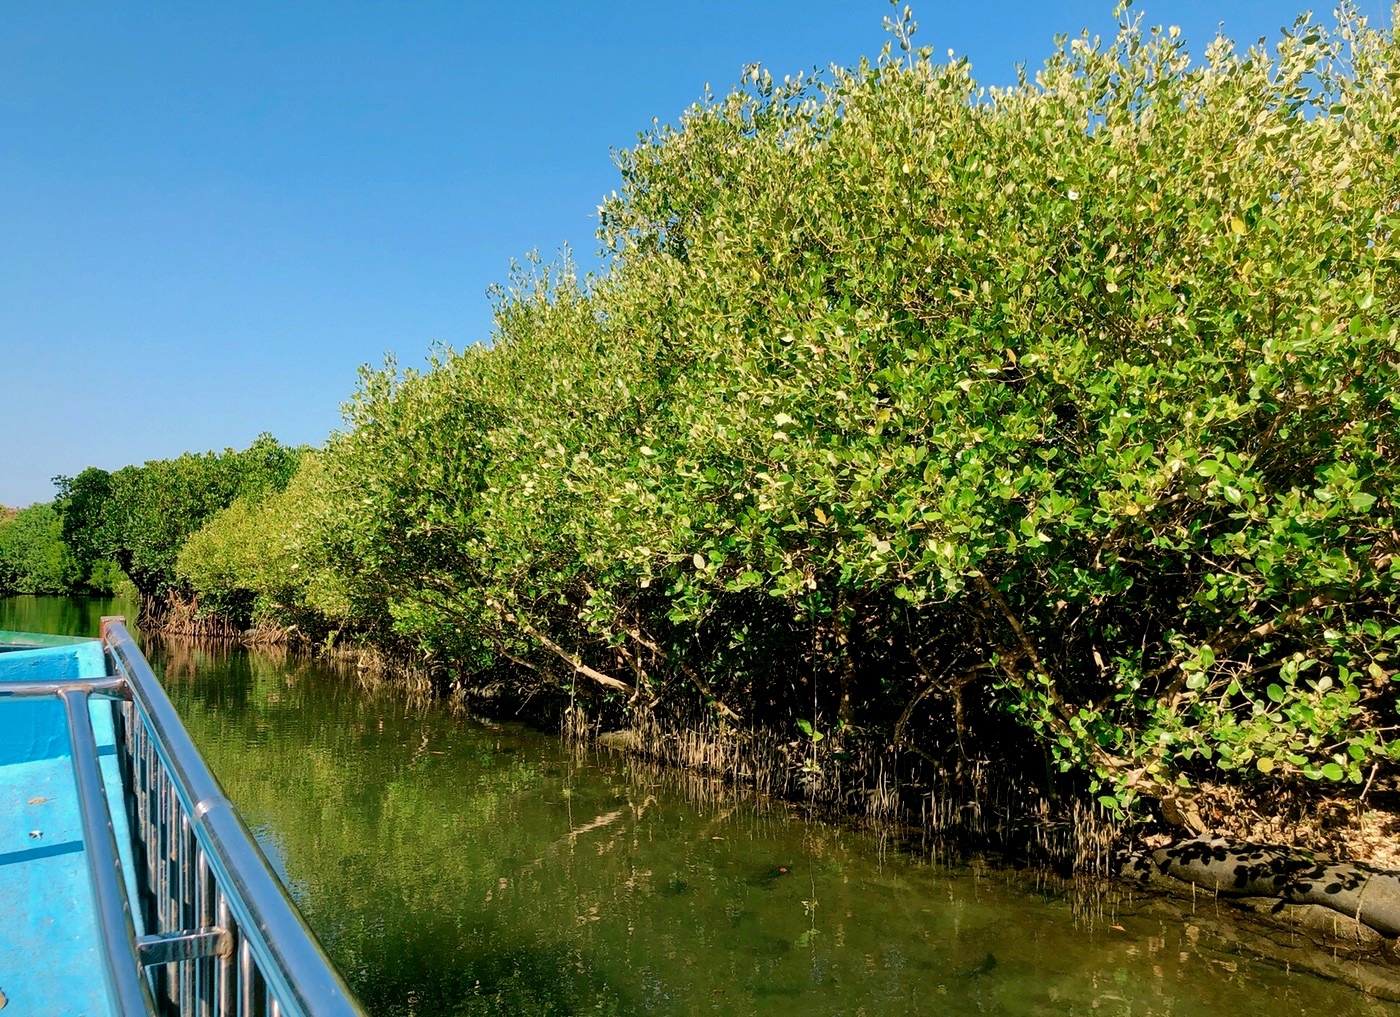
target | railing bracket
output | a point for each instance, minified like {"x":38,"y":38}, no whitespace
{"x":173,"y":947}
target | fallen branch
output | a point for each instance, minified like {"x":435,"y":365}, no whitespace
{"x":605,"y":680}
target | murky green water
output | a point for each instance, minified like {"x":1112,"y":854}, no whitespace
{"x":62,"y":616}
{"x":457,"y":866}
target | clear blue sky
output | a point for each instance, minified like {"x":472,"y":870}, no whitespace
{"x":212,"y":214}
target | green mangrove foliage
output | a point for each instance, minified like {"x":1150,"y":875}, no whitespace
{"x":137,"y":518}
{"x":1055,"y":419}
{"x":33,"y":556}
{"x":267,"y":559}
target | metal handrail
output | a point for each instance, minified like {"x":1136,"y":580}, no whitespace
{"x":300,"y":980}
{"x":127,"y":987}
{"x":211,"y":931}
{"x":112,"y":688}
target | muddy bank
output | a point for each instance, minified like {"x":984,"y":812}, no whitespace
{"x":1011,"y":806}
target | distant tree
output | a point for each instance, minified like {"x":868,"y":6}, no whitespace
{"x":138,"y":517}
{"x":33,"y":556}
{"x":82,"y":504}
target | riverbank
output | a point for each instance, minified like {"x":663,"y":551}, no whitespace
{"x":1300,"y":879}
{"x":983,"y":808}
{"x":475,"y":865}
{"x":982,"y":802}
{"x":461,"y":860}
{"x":1311,"y":884}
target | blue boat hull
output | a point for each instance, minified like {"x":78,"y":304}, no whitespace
{"x":129,"y":885}
{"x":49,"y":948}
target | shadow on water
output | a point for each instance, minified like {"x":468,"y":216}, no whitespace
{"x":454,"y":865}
{"x":523,"y":981}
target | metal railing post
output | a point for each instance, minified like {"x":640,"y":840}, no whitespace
{"x":131,"y":996}
{"x":270,"y":946}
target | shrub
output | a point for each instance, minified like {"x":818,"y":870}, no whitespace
{"x":33,"y":556}
{"x":1058,"y":417}
{"x":261,"y":559}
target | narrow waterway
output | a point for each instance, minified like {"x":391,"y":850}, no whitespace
{"x":454,"y":865}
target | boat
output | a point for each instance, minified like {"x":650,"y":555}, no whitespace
{"x":129,"y":885}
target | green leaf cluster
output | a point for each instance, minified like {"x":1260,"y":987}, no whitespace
{"x":1062,"y":416}
{"x":33,"y":556}
{"x":137,"y":518}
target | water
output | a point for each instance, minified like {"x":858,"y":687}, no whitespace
{"x":63,"y":616}
{"x":457,"y":866}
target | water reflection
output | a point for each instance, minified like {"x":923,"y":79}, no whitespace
{"x":458,"y":866}
{"x":63,"y":616}
{"x":454,"y":865}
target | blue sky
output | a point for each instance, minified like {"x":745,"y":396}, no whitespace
{"x":213,"y":214}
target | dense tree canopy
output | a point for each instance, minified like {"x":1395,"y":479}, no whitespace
{"x":135,"y":520}
{"x":104,"y":526}
{"x":33,"y":556}
{"x":1056,"y":419}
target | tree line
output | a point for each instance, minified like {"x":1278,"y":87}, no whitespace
{"x":106,"y":530}
{"x":911,"y":420}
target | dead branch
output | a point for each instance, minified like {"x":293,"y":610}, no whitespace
{"x":605,"y":680}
